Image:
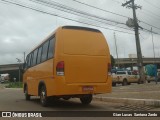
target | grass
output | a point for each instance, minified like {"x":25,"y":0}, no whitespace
{"x":14,"y":85}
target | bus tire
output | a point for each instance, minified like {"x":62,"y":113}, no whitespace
{"x":27,"y":96}
{"x":86,"y":99}
{"x":43,"y":96}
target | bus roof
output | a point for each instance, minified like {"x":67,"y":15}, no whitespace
{"x":80,"y":28}
{"x":66,"y":27}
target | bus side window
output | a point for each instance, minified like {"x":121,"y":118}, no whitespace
{"x":31,"y":60}
{"x":35,"y":57}
{"x":28,"y":61}
{"x":39,"y":55}
{"x":51,"y":48}
{"x":44,"y":51}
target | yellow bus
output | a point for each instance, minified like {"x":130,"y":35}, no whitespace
{"x":72,"y":62}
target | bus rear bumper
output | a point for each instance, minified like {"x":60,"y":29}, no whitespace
{"x":80,"y":89}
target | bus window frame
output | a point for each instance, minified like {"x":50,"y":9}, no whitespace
{"x":36,"y":57}
{"x":40,"y":47}
{"x":53,"y":46}
{"x":31,"y":61}
{"x":46,"y":51}
{"x":30,"y":55}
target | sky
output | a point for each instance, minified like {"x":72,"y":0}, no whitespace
{"x":21,"y":29}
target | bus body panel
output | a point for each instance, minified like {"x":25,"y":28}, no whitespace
{"x":41,"y":72}
{"x":76,"y":89}
{"x":86,"y":56}
{"x":80,"y":42}
{"x":85,"y":69}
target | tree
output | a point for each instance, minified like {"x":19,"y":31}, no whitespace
{"x":112,"y":61}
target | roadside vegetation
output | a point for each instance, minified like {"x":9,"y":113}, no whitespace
{"x":14,"y":85}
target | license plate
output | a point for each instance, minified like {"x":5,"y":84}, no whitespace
{"x":87,"y":88}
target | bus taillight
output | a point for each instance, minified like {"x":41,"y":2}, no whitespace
{"x":60,"y":68}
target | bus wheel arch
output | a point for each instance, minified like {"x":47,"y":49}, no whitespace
{"x":41,"y":84}
{"x":42,"y":92}
{"x":27,"y":96}
{"x":24,"y":88}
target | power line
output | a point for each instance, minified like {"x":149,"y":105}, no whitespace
{"x":3,"y":2}
{"x":81,"y":12}
{"x":146,"y":30}
{"x":111,"y":12}
{"x":57,"y":15}
{"x":100,"y":9}
{"x":149,"y":18}
{"x":152,"y":4}
{"x":152,"y":13}
{"x":141,"y":36}
{"x":69,"y":18}
{"x":62,"y":7}
{"x":149,"y":24}
{"x":74,"y":11}
{"x":149,"y":15}
{"x":146,"y":23}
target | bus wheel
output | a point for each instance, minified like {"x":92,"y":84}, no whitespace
{"x":27,"y":96}
{"x":86,"y":99}
{"x":43,"y":96}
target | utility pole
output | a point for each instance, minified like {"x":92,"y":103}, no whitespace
{"x":153,"y":45}
{"x":130,"y":4}
{"x":116,"y":49}
{"x":24,"y":57}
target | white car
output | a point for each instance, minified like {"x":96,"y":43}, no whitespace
{"x":125,"y":78}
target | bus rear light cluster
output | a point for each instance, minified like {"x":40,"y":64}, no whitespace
{"x":60,"y":68}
